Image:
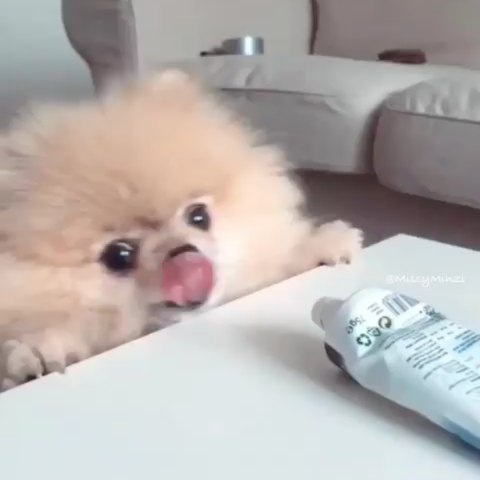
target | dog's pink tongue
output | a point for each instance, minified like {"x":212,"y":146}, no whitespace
{"x":187,"y":279}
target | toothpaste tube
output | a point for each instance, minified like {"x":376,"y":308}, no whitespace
{"x":406,"y":351}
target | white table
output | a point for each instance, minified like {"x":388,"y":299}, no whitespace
{"x":245,"y":392}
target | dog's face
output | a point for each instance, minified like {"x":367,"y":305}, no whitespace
{"x":155,"y":187}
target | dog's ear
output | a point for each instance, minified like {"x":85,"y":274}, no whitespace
{"x":22,"y":145}
{"x":174,"y":84}
{"x":14,"y":160}
{"x":171,"y":78}
{"x":170,"y":84}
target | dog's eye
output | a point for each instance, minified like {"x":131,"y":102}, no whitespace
{"x":197,"y":216}
{"x":120,"y":256}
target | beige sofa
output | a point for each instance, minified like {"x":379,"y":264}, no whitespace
{"x":415,"y":127}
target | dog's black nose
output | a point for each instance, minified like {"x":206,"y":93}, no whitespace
{"x":182,"y":249}
{"x":190,"y":306}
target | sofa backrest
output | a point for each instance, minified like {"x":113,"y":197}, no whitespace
{"x":171,"y":30}
{"x":447,"y":30}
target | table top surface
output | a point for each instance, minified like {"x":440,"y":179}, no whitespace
{"x":245,"y":391}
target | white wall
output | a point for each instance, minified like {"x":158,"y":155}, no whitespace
{"x":448,"y":30}
{"x":178,"y":29}
{"x":36,"y":60}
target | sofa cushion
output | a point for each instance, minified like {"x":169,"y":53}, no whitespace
{"x":428,"y":140}
{"x":322,"y":110}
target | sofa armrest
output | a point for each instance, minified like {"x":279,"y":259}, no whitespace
{"x":103,"y":34}
{"x":118,"y":37}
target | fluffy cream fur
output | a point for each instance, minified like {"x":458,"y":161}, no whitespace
{"x":74,"y":178}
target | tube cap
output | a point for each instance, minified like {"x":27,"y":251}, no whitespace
{"x":325,"y":310}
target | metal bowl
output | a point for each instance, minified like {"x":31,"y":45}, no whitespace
{"x":247,"y":45}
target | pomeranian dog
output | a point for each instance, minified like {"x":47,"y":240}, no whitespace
{"x":124,"y":214}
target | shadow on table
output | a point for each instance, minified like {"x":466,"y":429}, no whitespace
{"x":304,"y":355}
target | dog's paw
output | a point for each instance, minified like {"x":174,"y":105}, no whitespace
{"x":337,"y":242}
{"x":19,"y":364}
{"x":34,"y":356}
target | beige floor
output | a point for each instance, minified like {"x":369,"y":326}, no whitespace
{"x":382,"y":213}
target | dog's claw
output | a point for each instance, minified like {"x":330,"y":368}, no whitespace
{"x":338,"y":243}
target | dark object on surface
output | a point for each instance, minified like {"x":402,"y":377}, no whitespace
{"x":337,"y":360}
{"x":247,"y":45}
{"x":411,"y":56}
{"x":213,"y":51}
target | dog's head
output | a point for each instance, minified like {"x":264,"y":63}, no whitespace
{"x":157,"y":186}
